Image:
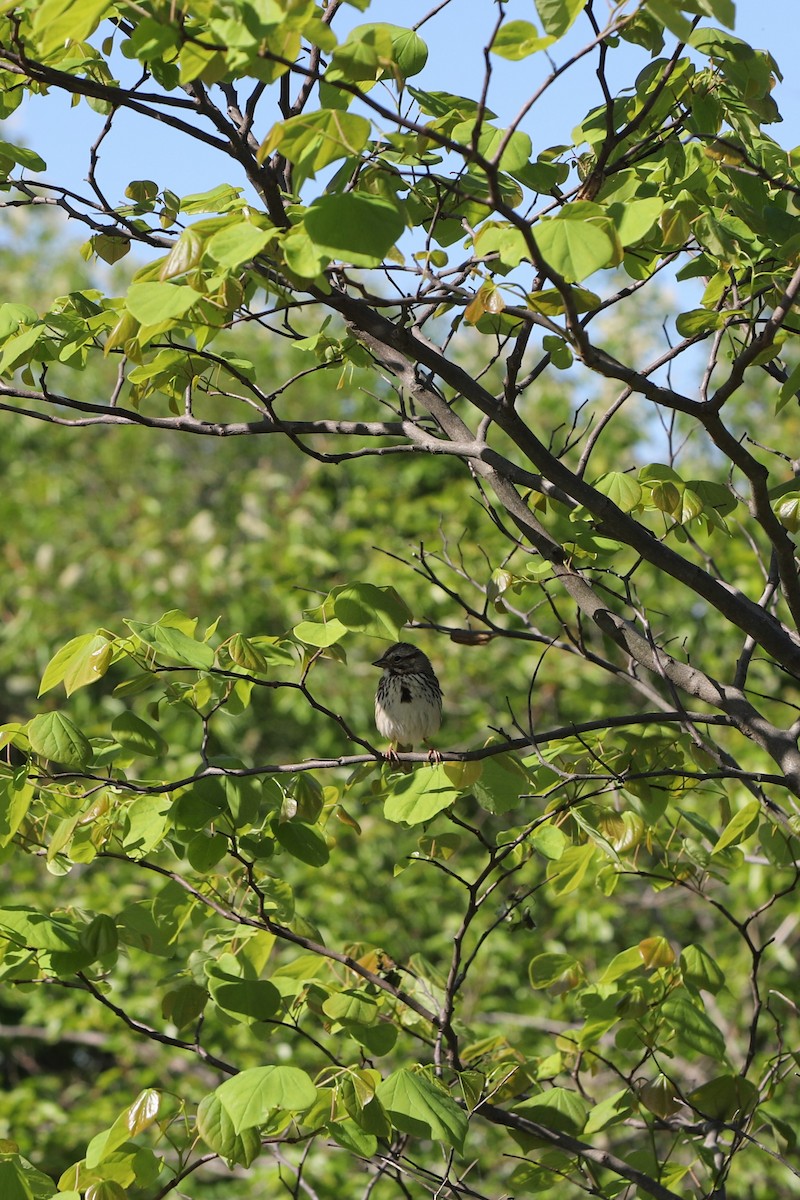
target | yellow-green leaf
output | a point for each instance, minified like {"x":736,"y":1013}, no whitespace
{"x":83,"y":660}
{"x":740,"y":827}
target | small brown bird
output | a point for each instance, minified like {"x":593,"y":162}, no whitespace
{"x":408,"y":703}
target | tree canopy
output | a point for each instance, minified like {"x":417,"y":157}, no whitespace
{"x":405,"y":370}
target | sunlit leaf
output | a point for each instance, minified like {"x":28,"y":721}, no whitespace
{"x":621,"y":489}
{"x":16,"y":794}
{"x":417,"y":797}
{"x":57,"y":20}
{"x":249,"y":1097}
{"x":54,"y":736}
{"x":558,"y":15}
{"x":740,"y":827}
{"x":574,"y":248}
{"x":216,"y":1128}
{"x":355,"y":227}
{"x":516,"y":40}
{"x":153,"y":303}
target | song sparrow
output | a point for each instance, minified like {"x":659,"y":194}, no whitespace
{"x":408,"y":703}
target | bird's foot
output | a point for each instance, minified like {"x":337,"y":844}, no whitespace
{"x":392,"y":756}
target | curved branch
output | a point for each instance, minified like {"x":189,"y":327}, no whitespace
{"x":571,"y":1145}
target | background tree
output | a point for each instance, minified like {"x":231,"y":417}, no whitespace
{"x":510,"y":395}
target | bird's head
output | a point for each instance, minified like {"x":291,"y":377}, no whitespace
{"x":404,"y":659}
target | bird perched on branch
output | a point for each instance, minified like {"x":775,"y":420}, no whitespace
{"x":408,"y":703}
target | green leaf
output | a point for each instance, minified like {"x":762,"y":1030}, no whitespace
{"x":557,"y":1108}
{"x":184,"y":1004}
{"x":787,"y":510}
{"x":612,"y":1111}
{"x":256,"y":998}
{"x":56,"y":737}
{"x":83,"y":660}
{"x":693,"y":1027}
{"x":247,"y":655}
{"x":622,"y":964}
{"x":363,"y":56}
{"x":545,"y":969}
{"x":781,"y":848}
{"x":38,"y":931}
{"x":550,"y":302}
{"x":314,"y":140}
{"x":656,"y":952}
{"x":515,"y":40}
{"x":352,"y":1137}
{"x":16,"y":794}
{"x":238,"y":244}
{"x":354,"y":227}
{"x":142,"y":191}
{"x":789,"y":389}
{"x":205,"y":851}
{"x":14,"y":315}
{"x":501,"y":783}
{"x":221,"y":199}
{"x":350,"y":1006}
{"x":251,"y":1096}
{"x":100,"y":938}
{"x":740,"y":827}
{"x":56,"y":21}
{"x":216,"y":1129}
{"x":371,"y":51}
{"x":110,"y":249}
{"x":700,"y":970}
{"x":508,"y":242}
{"x":172,"y":643}
{"x":184,"y":256}
{"x":667,"y":12}
{"x":321,"y":634}
{"x":370,"y":609}
{"x":155,"y":303}
{"x":621,"y":489}
{"x":11,"y":155}
{"x":549,"y":841}
{"x":722,"y":1098}
{"x":18,"y":347}
{"x":145,"y":825}
{"x":659,"y":1096}
{"x":200,"y":62}
{"x":137,"y":736}
{"x":423,"y":1108}
{"x":515,"y":149}
{"x":305,"y":842}
{"x":558,"y":15}
{"x":134,"y":1119}
{"x":635,"y":218}
{"x":567,"y":874}
{"x":700,"y":320}
{"x":19,"y":1180}
{"x":409,"y":50}
{"x":143,"y":1112}
{"x":421,"y":795}
{"x":574,"y":248}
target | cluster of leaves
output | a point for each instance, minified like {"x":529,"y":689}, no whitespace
{"x":250,"y":961}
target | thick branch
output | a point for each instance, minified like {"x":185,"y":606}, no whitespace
{"x":400,"y":348}
{"x":571,"y":1145}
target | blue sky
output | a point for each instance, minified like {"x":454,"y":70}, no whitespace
{"x":140,"y":149}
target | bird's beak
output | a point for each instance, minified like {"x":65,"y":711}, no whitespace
{"x":379,"y":662}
